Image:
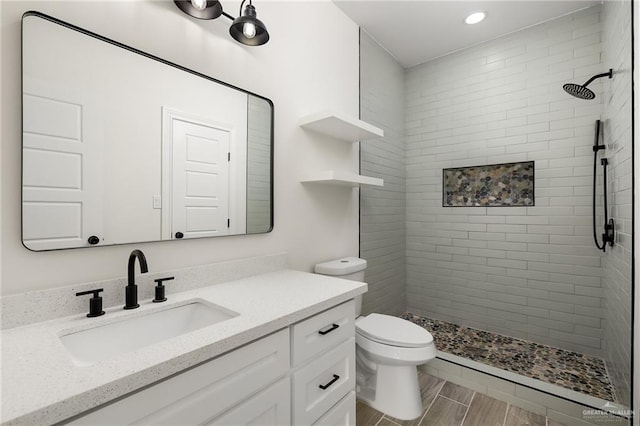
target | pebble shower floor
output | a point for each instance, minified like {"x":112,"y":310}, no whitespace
{"x":579,"y":372}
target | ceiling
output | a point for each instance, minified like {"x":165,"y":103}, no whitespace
{"x":420,"y":30}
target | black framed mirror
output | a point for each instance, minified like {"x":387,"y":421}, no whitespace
{"x":120,"y":146}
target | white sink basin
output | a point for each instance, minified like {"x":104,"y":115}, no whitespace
{"x":133,"y":332}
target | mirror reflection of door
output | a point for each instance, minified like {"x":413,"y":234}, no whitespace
{"x":200,"y":180}
{"x":62,"y":179}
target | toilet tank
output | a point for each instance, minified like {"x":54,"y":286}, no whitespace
{"x":348,"y":268}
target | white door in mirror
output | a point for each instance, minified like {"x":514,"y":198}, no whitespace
{"x":62,"y":171}
{"x":200,"y":180}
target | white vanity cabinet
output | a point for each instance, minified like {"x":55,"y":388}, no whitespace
{"x":323,"y":376}
{"x":301,"y":375}
{"x":203,"y":393}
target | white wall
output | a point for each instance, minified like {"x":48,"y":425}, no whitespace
{"x":529,"y":272}
{"x":304,"y":68}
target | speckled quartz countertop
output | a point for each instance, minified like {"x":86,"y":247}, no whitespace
{"x":42,"y":385}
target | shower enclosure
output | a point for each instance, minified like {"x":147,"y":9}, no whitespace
{"x":522,"y":289}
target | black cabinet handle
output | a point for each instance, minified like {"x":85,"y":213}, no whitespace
{"x":333,"y":327}
{"x":179,"y":235}
{"x":335,"y":378}
{"x":93,"y":240}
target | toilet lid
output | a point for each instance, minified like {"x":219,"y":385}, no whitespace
{"x":393,"y":331}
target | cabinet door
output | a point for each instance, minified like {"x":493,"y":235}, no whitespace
{"x":204,"y":392}
{"x":271,"y":407}
{"x":323,"y":382}
{"x":342,"y":414}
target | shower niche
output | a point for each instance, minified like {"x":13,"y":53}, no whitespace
{"x":497,"y":185}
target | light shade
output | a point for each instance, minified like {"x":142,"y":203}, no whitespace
{"x":212,"y":10}
{"x":248,"y":29}
{"x":474,"y":18}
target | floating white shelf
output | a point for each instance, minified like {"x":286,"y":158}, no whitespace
{"x":340,"y":126}
{"x":332,"y":177}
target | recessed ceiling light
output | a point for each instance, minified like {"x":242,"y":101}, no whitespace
{"x":474,"y":18}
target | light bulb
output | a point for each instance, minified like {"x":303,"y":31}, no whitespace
{"x":199,"y":4}
{"x":474,"y":18}
{"x":249,"y":30}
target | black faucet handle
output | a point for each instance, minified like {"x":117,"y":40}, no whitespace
{"x":160,"y":295}
{"x":95,"y":303}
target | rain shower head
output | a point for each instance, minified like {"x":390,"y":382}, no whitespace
{"x":581,"y":92}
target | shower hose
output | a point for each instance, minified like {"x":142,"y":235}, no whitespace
{"x":608,"y":226}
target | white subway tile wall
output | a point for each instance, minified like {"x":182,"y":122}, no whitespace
{"x":382,"y":210}
{"x":617,"y":136}
{"x":528,"y":272}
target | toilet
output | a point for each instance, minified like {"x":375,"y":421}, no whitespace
{"x":388,"y":351}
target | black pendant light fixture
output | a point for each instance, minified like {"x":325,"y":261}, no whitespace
{"x":246,"y":29}
{"x":201,"y":9}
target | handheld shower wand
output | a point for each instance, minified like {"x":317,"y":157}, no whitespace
{"x":608,"y":236}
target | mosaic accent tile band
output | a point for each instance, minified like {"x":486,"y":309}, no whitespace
{"x":497,"y":185}
{"x":579,"y":372}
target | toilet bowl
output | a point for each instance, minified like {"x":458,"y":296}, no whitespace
{"x":388,"y":349}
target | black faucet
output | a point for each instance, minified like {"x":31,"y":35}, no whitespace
{"x":131,"y":290}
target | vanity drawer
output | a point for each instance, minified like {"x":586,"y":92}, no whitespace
{"x":204,"y":392}
{"x":323,"y":331}
{"x":342,"y":414}
{"x":319,"y":385}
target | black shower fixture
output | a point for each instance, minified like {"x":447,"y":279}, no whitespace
{"x":581,"y":92}
{"x":608,"y":237}
{"x":246,"y":29}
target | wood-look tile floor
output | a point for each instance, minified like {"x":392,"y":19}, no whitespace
{"x":447,"y":404}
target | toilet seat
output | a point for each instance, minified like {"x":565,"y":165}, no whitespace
{"x":393,"y":331}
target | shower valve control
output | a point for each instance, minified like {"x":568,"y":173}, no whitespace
{"x":609,"y":233}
